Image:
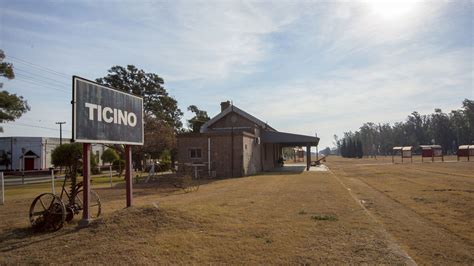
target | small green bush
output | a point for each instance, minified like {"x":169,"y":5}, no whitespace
{"x":119,"y":165}
{"x":324,"y":217}
{"x":165,"y":161}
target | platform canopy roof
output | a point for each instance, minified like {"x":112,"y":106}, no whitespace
{"x":288,"y":139}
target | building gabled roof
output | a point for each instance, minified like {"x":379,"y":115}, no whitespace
{"x":30,"y":153}
{"x":235,"y":109}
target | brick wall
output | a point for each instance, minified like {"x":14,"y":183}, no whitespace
{"x":223,"y":153}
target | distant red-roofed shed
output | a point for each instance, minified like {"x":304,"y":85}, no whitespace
{"x":465,"y":151}
{"x":431,"y":151}
{"x":404,"y":152}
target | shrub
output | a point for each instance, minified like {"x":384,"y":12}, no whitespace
{"x":109,"y":156}
{"x":165,"y":161}
{"x":119,"y":165}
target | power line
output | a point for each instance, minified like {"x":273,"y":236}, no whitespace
{"x":26,"y":125}
{"x":52,"y":71}
{"x":21,"y":75}
{"x":38,"y":120}
{"x":42,"y":77}
{"x":24,"y":79}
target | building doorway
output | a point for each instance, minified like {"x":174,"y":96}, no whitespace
{"x":29,"y":164}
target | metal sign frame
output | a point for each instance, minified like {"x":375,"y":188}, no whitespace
{"x":74,"y":114}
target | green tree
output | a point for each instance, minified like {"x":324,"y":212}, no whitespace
{"x":11,"y":105}
{"x":448,"y":130}
{"x":326,"y":151}
{"x":440,"y":127}
{"x":344,"y":148}
{"x":118,"y":165}
{"x":156,"y":101}
{"x":200,"y":117}
{"x":468,"y":111}
{"x":159,"y":137}
{"x":68,"y":156}
{"x":6,"y":69}
{"x":165,"y":161}
{"x":109,"y":156}
{"x":161,"y":113}
{"x":359,"y":150}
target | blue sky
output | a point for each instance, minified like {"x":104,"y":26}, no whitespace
{"x":302,"y":66}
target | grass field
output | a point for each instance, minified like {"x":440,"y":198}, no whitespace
{"x":361,"y":211}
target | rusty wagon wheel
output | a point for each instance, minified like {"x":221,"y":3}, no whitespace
{"x":47,"y":213}
{"x":95,"y":207}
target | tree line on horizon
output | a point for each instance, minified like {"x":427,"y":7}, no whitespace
{"x":450,"y":130}
{"x":351,"y":148}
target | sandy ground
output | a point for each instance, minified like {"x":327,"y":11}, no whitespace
{"x":360,"y":211}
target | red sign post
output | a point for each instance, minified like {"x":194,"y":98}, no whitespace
{"x":128,"y":174}
{"x":86,"y":188}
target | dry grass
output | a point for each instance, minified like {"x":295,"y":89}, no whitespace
{"x":308,"y":217}
{"x":427,"y":207}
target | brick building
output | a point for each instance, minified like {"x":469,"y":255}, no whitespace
{"x":235,"y":143}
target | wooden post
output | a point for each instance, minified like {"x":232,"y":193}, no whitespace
{"x":308,"y":157}
{"x":86,"y":170}
{"x":128,"y":174}
{"x":110,"y":172}
{"x":3,"y":188}
{"x":53,"y":190}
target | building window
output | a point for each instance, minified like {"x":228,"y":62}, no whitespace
{"x":195,"y":153}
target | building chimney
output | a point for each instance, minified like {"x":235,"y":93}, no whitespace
{"x":224,"y":105}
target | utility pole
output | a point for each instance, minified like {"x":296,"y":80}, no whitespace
{"x":60,"y":132}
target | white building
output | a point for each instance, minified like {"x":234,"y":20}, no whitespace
{"x":32,"y":153}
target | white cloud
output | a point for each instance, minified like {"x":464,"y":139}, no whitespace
{"x":209,"y":40}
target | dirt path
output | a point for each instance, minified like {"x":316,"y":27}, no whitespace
{"x":428,"y":208}
{"x":276,"y":218}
